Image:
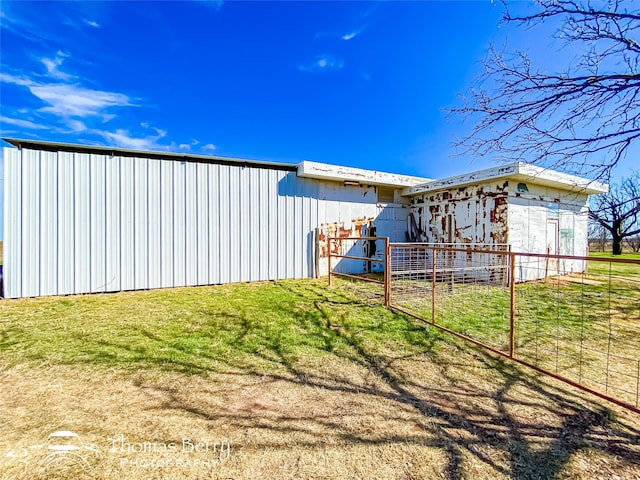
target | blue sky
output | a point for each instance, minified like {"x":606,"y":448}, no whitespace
{"x":362,"y":84}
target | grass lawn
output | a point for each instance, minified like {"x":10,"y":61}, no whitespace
{"x":293,"y":380}
{"x":629,"y":270}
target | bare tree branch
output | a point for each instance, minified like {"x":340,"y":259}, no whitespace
{"x":581,"y":121}
{"x":618,"y":211}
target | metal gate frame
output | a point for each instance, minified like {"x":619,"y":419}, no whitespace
{"x":510,"y":352}
{"x":386,"y":282}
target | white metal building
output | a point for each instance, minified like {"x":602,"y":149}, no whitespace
{"x":83,"y":219}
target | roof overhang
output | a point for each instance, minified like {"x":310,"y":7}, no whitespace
{"x":518,"y":171}
{"x":123,"y":152}
{"x":336,"y":173}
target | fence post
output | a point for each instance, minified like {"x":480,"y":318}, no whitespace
{"x":316,"y":256}
{"x":387,"y":272}
{"x":512,"y":301}
{"x":433,"y":285}
{"x":329,"y":257}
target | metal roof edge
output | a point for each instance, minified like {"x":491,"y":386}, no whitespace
{"x":339,"y":173}
{"x":516,"y":170}
{"x":115,"y":151}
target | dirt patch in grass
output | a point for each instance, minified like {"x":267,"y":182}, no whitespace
{"x":290,"y":380}
{"x":567,"y":279}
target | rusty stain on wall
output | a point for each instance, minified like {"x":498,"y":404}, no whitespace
{"x":339,"y":230}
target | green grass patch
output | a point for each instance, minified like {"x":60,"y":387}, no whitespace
{"x":566,"y":304}
{"x":624,"y":256}
{"x":258,"y":326}
{"x":628,"y":270}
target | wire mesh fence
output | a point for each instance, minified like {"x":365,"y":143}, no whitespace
{"x":575,"y":318}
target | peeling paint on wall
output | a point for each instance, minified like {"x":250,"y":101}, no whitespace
{"x":338,"y":229}
{"x":471,"y":214}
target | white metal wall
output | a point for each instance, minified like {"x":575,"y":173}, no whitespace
{"x":80,"y":223}
{"x":343,"y":210}
{"x":531,"y":214}
{"x":534,"y":220}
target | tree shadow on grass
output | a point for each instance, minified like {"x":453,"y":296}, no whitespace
{"x":503,"y":416}
{"x":376,"y":378}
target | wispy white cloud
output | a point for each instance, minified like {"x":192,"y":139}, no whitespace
{"x":71,"y":108}
{"x":18,"y":26}
{"x":124,"y":139}
{"x":216,"y":3}
{"x":52,"y":65}
{"x":75,"y":18}
{"x":15,"y":79}
{"x":186,"y":147}
{"x":76,"y":126}
{"x":74,"y":100}
{"x":353,"y":33}
{"x":323,"y":63}
{"x":209,"y":147}
{"x":19,"y":122}
{"x":69,"y":100}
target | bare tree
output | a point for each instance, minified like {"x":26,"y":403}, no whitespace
{"x":618,"y":211}
{"x":581,"y":119}
{"x":634,"y":243}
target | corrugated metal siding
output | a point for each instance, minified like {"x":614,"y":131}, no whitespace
{"x":81,"y":223}
{"x":49,"y":226}
{"x":12,"y":242}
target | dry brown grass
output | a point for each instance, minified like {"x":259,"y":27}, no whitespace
{"x":446,"y":412}
{"x":413,"y":419}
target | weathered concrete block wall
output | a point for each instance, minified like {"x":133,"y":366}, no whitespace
{"x":473,"y":214}
{"x":535,"y":219}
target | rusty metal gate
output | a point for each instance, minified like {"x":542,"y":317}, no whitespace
{"x":576,"y":319}
{"x":357,"y":258}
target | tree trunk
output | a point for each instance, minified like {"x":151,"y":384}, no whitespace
{"x":617,"y":245}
